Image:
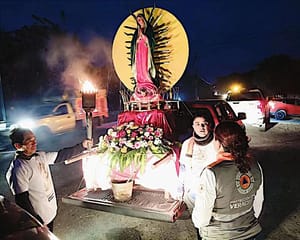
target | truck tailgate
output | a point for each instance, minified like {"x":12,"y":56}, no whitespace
{"x":145,"y":203}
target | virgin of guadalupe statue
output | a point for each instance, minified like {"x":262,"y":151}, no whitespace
{"x":142,"y":65}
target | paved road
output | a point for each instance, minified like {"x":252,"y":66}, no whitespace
{"x":277,"y":149}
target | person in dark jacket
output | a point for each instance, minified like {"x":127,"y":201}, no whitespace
{"x":29,"y":175}
{"x":230,"y":196}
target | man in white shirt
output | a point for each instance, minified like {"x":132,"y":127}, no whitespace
{"x":29,"y":175}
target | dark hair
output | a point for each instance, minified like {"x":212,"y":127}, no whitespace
{"x":235,"y":141}
{"x":17,"y":135}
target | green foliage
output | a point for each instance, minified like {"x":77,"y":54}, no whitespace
{"x":135,"y":158}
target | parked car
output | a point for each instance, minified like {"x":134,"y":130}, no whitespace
{"x":18,"y":224}
{"x":283,"y":108}
{"x":51,"y":118}
{"x":253,"y":103}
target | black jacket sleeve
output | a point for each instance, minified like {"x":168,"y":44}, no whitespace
{"x":67,"y":153}
{"x":22,"y":199}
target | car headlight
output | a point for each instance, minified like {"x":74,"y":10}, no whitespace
{"x":24,"y":123}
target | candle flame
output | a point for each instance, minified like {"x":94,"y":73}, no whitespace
{"x":88,"y":87}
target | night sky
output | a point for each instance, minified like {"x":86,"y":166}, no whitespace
{"x":224,"y":36}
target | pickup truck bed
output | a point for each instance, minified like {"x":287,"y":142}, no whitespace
{"x":145,"y":203}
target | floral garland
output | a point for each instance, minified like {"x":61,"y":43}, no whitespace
{"x":127,"y":144}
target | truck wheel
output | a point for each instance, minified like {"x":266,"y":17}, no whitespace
{"x":280,"y":115}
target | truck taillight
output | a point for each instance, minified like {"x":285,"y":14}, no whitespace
{"x":271,"y":104}
{"x":262,"y":106}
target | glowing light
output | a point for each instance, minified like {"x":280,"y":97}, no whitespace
{"x":271,"y":104}
{"x":88,"y":96}
{"x":236,"y":88}
{"x":88,"y":87}
{"x":98,"y":174}
{"x":24,"y":123}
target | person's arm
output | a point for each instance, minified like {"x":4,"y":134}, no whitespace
{"x":205,"y":199}
{"x":259,"y":197}
{"x":187,"y":151}
{"x":186,"y":155}
{"x":22,"y":199}
{"x":183,"y":160}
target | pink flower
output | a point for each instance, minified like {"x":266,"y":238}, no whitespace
{"x":137,"y":145}
{"x":121,"y":134}
{"x":134,"y":134}
{"x":158,"y":133}
{"x":131,"y":137}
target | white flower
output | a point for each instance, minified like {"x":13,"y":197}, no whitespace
{"x":157,"y":141}
{"x":147,"y":134}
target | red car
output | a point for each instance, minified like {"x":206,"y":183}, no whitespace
{"x":283,"y":108}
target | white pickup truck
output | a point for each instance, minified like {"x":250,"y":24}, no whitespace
{"x":253,"y":103}
{"x":51,"y":118}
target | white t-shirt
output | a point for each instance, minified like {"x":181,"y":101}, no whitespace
{"x":34,"y":176}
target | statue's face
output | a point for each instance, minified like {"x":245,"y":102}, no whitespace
{"x":140,"y":21}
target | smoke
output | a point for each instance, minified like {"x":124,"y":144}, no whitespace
{"x":77,"y":62}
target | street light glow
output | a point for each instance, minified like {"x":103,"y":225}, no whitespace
{"x":236,"y":88}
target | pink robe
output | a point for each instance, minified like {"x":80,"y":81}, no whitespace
{"x":143,"y":63}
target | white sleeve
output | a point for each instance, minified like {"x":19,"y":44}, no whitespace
{"x":18,"y":178}
{"x":205,"y":199}
{"x":49,"y":157}
{"x":259,"y":197}
{"x":183,"y":151}
{"x":185,"y":166}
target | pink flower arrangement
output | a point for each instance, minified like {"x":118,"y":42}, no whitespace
{"x":128,"y":144}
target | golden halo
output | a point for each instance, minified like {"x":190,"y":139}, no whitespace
{"x":172,"y":55}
